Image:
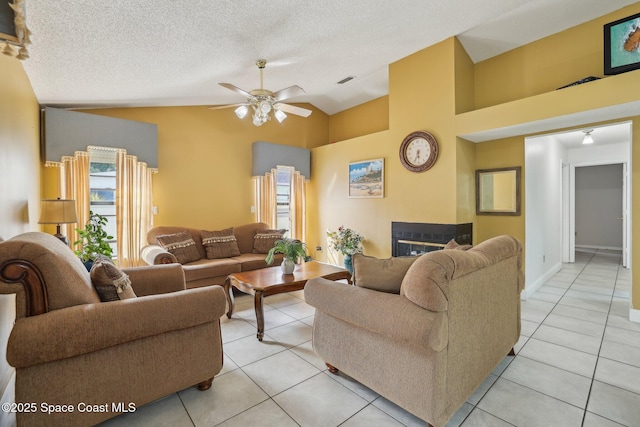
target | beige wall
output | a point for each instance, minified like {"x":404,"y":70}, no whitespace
{"x":19,"y":177}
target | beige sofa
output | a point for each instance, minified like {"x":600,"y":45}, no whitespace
{"x":205,"y":272}
{"x":102,"y":358}
{"x":428,"y":338}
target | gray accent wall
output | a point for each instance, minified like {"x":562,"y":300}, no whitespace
{"x":598,"y":206}
{"x":267,"y":156}
{"x":66,"y":132}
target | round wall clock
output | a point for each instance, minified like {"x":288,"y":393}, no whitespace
{"x":418,"y":151}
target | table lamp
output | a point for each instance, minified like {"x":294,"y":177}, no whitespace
{"x":58,"y":211}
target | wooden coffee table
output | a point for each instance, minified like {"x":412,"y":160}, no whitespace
{"x":270,"y":281}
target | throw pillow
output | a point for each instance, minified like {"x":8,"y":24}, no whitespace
{"x":452,"y":244}
{"x":265,"y":239}
{"x":181,"y":245}
{"x":384,"y":275}
{"x":102,"y":258}
{"x":220,"y":244}
{"x":111,"y":283}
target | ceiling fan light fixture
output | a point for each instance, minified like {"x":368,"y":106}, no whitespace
{"x":588,"y":139}
{"x":264,"y":102}
{"x":265,"y":106}
{"x":259,"y":117}
{"x":280,"y":115}
{"x":241,"y":111}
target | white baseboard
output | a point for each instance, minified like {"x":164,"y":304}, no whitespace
{"x":530,"y":288}
{"x":607,"y":248}
{"x":634,"y":315}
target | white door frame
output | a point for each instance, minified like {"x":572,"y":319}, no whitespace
{"x":569,"y":199}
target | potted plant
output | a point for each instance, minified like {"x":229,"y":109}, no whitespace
{"x":292,"y":249}
{"x":93,"y":240}
{"x":347,"y":242}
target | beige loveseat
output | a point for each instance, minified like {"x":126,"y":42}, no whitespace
{"x":454,"y":316}
{"x":205,"y":271}
{"x":102,"y":358}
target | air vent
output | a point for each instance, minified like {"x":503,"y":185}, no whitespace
{"x":346,"y":79}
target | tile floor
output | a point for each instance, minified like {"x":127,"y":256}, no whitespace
{"x":577,"y":364}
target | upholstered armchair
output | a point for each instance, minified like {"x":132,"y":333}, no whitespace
{"x":69,"y":348}
{"x":422,"y":332}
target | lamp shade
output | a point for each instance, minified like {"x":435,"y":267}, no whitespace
{"x":58,"y":211}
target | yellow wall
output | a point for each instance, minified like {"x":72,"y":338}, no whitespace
{"x":437,"y":89}
{"x":204,"y":158}
{"x":19,"y":178}
{"x":545,"y":65}
{"x":502,"y":153}
{"x":19,"y":150}
{"x":365,"y":119}
{"x":413,"y":197}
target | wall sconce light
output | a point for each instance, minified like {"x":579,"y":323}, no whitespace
{"x":58,"y":211}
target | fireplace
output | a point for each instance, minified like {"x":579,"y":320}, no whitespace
{"x":415,"y":238}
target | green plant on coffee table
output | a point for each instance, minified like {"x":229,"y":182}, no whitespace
{"x":291,"y":249}
{"x":93,"y":239}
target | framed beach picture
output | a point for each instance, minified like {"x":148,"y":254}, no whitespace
{"x":366,"y":178}
{"x":622,"y":45}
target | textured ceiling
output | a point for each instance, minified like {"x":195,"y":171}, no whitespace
{"x":157,"y":52}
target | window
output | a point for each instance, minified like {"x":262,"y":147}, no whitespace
{"x":283,"y":197}
{"x":102,"y":189}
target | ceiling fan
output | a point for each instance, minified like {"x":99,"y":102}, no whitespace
{"x":264,"y":101}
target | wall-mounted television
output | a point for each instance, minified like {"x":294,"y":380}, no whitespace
{"x":622,"y":45}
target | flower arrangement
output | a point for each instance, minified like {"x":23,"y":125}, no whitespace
{"x":345,"y":240}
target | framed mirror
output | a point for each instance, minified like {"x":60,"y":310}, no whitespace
{"x":498,"y":191}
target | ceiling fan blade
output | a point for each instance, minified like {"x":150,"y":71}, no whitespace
{"x":236,"y":89}
{"x":292,"y":109}
{"x":288,"y":92}
{"x":220,"y":107}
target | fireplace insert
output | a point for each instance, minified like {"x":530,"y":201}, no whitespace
{"x":416,"y":238}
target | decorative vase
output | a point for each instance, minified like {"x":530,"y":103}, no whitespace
{"x":348,"y":264}
{"x":88,"y":264}
{"x":288,"y":266}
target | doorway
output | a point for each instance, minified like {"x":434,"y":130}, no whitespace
{"x":550,"y":164}
{"x":599,"y":207}
{"x":597,"y":195}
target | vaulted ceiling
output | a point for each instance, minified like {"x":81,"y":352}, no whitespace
{"x":118,"y":53}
